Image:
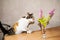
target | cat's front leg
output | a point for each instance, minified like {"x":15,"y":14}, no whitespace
{"x":29,"y":31}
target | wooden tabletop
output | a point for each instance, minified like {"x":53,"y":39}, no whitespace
{"x":51,"y":34}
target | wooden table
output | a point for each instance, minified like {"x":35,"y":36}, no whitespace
{"x":51,"y":34}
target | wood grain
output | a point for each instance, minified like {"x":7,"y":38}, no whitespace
{"x":51,"y":34}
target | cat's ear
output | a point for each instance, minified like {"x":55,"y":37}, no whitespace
{"x":31,"y":13}
{"x":24,"y":17}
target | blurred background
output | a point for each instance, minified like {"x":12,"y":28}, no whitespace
{"x":12,"y":10}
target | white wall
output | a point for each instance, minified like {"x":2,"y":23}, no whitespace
{"x":0,"y":9}
{"x":12,"y":10}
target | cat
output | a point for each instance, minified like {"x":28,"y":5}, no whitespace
{"x":20,"y":26}
{"x":23,"y":24}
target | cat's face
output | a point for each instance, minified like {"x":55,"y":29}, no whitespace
{"x":29,"y":15}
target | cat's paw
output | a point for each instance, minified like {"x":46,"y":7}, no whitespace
{"x":29,"y":31}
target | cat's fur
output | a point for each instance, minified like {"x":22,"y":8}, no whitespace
{"x":23,"y":23}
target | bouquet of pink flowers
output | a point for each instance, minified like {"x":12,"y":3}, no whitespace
{"x":44,"y":21}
